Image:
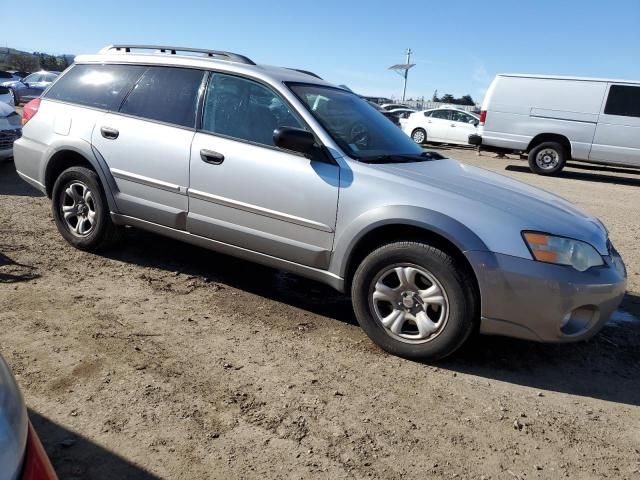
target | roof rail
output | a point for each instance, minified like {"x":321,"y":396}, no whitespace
{"x":306,"y":72}
{"x":229,"y":56}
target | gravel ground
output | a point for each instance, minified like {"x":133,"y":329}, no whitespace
{"x":162,"y":360}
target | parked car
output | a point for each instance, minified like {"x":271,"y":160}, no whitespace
{"x":393,"y":106}
{"x":429,"y":249}
{"x":394,"y":118}
{"x":22,"y":456}
{"x":19,"y":73}
{"x":555,"y":119}
{"x":9,"y":76}
{"x":402,"y":112}
{"x":10,"y":130}
{"x":6,"y":96}
{"x":31,"y":86}
{"x":441,"y":125}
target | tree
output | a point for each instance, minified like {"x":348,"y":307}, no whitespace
{"x":467,"y":100}
{"x":447,"y":98}
{"x":25,"y":63}
{"x":435,"y":97}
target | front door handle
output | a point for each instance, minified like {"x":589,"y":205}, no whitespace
{"x":109,"y":133}
{"x":209,"y":156}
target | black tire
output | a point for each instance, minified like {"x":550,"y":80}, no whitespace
{"x":454,"y":279}
{"x":100,"y":232}
{"x":554,"y":152}
{"x":417,"y":132}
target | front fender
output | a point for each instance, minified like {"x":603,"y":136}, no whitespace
{"x":349,"y":237}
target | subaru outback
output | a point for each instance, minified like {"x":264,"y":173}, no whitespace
{"x":277,"y":166}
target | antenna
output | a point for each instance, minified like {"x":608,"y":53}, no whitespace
{"x":402,"y":69}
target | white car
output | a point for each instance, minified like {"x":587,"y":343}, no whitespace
{"x":441,"y":125}
{"x":10,"y":131}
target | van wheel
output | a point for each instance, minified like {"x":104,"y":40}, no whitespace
{"x":548,"y":158}
{"x":414,"y":300}
{"x":81,"y":212}
{"x":419,"y":136}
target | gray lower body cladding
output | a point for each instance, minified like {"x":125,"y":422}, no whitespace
{"x":544,"y":302}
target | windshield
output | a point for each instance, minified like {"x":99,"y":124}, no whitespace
{"x":358,"y":128}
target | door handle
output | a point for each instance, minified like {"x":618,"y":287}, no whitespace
{"x":109,"y":133}
{"x":453,"y":124}
{"x":209,"y":156}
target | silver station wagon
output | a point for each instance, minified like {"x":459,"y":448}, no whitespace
{"x":277,"y":166}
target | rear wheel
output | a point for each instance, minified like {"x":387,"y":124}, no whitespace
{"x":548,"y":158}
{"x":414,"y":300}
{"x":81,"y":212}
{"x":419,"y":135}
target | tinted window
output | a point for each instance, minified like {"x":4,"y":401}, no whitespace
{"x":4,"y":75}
{"x":443,"y":114}
{"x":244,"y":109}
{"x":166,"y":94}
{"x":99,"y":86}
{"x":624,"y":100}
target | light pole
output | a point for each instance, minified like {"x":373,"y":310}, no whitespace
{"x":402,"y":69}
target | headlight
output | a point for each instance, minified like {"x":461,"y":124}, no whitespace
{"x":562,"y":251}
{"x":13,"y":425}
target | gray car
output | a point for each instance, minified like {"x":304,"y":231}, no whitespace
{"x":278,"y":166}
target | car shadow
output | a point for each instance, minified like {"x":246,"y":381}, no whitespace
{"x":606,"y":367}
{"x":14,"y":272}
{"x":12,"y":184}
{"x":591,"y":173}
{"x":74,"y":456}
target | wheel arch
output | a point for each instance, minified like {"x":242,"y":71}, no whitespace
{"x":408,"y":223}
{"x":551,"y":137}
{"x":70,"y":156}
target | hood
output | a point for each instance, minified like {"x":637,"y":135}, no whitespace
{"x":491,"y":202}
{"x":5,"y":110}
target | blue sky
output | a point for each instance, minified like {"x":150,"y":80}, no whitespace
{"x":459,"y":45}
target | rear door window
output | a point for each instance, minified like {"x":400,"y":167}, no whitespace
{"x":441,"y":114}
{"x":624,"y":101}
{"x":98,"y":86}
{"x":166,"y":94}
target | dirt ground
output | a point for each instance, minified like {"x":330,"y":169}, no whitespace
{"x":162,"y":360}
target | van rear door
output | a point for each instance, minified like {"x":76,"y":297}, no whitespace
{"x":617,"y":137}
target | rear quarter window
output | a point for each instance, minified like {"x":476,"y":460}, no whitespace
{"x":624,"y":101}
{"x":98,"y":86}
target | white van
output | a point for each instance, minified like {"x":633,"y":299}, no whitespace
{"x":555,"y":119}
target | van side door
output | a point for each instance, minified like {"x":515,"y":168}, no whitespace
{"x":617,"y":137}
{"x":247,"y":192}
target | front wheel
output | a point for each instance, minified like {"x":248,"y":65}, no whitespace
{"x":414,"y":300}
{"x":548,"y":158}
{"x":419,"y":136}
{"x":81,"y":212}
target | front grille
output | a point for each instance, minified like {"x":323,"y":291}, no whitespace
{"x":7,"y":137}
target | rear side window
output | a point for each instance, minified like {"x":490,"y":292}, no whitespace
{"x":98,"y":86}
{"x":167,"y":95}
{"x":442,"y":114}
{"x":624,"y":100}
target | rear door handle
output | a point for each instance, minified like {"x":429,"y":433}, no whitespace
{"x":209,"y":156}
{"x":109,"y":133}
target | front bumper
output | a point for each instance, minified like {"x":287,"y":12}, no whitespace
{"x":550,"y":303}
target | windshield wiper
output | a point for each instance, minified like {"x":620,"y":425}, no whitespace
{"x":402,"y":158}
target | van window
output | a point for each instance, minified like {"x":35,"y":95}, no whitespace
{"x":166,"y":94}
{"x":624,"y":100}
{"x":244,"y":109}
{"x":98,"y":86}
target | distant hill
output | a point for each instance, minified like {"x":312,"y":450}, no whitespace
{"x":11,"y":58}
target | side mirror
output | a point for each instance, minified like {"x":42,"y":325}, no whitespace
{"x":476,"y":123}
{"x":294,"y":139}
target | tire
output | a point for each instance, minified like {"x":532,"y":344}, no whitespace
{"x":78,"y":193}
{"x":445,"y":288}
{"x":548,"y":158}
{"x":419,"y":135}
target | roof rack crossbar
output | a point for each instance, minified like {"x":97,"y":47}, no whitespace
{"x":232,"y":57}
